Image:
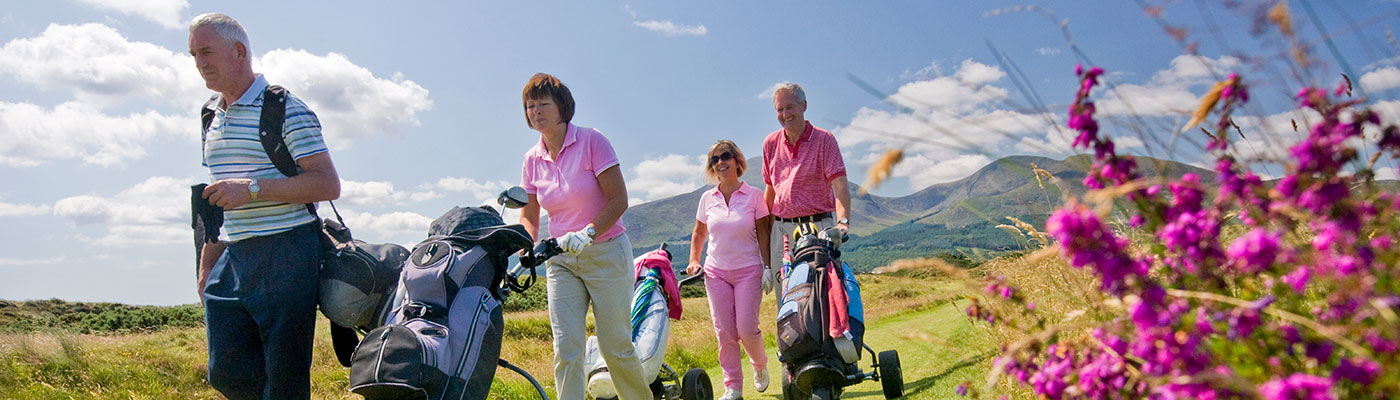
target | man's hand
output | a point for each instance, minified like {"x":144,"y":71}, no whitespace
{"x":575,"y":241}
{"x":229,"y":193}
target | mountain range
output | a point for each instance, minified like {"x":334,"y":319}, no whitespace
{"x":957,"y":219}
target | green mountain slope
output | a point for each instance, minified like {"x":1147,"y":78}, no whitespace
{"x":958,"y":217}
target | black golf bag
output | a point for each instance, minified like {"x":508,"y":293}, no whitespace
{"x":807,"y":349}
{"x":443,"y":337}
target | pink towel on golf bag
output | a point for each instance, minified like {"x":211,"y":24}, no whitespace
{"x":838,"y":306}
{"x":658,"y":259}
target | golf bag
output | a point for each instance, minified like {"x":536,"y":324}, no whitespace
{"x":813,"y":287}
{"x":443,"y":337}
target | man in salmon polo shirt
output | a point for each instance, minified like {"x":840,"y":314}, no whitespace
{"x":803,"y":173}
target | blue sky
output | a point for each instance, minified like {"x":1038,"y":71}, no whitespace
{"x":420,"y":101}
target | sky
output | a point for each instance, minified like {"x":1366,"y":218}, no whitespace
{"x":420,"y":101}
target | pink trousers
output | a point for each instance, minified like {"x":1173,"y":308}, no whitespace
{"x":734,"y":301}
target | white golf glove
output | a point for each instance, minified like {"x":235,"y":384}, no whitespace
{"x":767,"y":280}
{"x":575,"y":241}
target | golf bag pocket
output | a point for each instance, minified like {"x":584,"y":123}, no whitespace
{"x":474,"y":345}
{"x":397,"y":362}
{"x":800,"y":315}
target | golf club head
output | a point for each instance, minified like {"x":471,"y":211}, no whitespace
{"x":513,"y":198}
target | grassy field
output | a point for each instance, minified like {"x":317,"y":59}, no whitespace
{"x":939,"y":349}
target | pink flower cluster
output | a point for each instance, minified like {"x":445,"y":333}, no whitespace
{"x":1302,"y":304}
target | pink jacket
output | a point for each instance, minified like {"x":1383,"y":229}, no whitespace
{"x":658,"y":259}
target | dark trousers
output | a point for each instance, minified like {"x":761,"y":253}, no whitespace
{"x":260,"y":312}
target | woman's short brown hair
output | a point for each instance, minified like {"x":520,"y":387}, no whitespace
{"x":544,"y":85}
{"x":719,"y":147}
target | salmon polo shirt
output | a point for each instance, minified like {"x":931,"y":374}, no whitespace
{"x":733,"y":241}
{"x":801,"y":172}
{"x":567,"y":188}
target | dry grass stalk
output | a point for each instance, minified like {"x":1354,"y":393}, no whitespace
{"x":922,"y":263}
{"x":1278,"y":15}
{"x":1208,"y":102}
{"x":1031,"y":231}
{"x":881,"y":170}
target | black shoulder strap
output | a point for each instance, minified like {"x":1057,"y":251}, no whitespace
{"x":274,"y":113}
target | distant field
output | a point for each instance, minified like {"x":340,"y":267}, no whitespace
{"x":938,"y":347}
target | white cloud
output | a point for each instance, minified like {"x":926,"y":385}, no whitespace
{"x":669,"y":28}
{"x":923,"y":171}
{"x":1381,"y":79}
{"x":1387,"y":173}
{"x":22,"y":210}
{"x":1189,"y":70}
{"x":975,"y":73}
{"x":167,"y":13}
{"x":349,"y":100}
{"x":100,"y":66}
{"x":31,"y":135}
{"x":15,"y":262}
{"x":395,"y":227}
{"x":665,"y":176}
{"x":767,"y":94}
{"x":477,"y":192}
{"x":369,"y":193}
{"x":933,"y":70}
{"x":154,"y":211}
{"x":143,"y":235}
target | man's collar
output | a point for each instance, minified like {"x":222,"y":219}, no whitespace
{"x":806,"y":133}
{"x":254,"y":91}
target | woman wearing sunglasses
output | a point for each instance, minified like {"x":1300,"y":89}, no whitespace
{"x":736,"y":268}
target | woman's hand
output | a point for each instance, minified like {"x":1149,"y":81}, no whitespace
{"x":693,"y":268}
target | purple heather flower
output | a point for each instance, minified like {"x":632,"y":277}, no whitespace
{"x":1298,"y":279}
{"x":1298,"y":387}
{"x":1255,"y":251}
{"x":1357,"y":369}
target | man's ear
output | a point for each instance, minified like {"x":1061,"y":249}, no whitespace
{"x":240,"y":50}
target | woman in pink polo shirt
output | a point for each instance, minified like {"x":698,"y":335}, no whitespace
{"x":573,"y":174}
{"x":731,"y":216}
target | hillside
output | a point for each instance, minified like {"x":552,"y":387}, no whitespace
{"x":958,"y":217}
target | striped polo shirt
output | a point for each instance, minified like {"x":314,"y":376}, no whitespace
{"x":232,"y":150}
{"x":801,"y":172}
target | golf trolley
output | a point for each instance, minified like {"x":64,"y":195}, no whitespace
{"x":818,"y":364}
{"x":650,"y":332}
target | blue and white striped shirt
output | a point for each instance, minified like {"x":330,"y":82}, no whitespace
{"x":232,"y":150}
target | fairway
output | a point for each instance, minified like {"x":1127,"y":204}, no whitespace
{"x":938,"y":349}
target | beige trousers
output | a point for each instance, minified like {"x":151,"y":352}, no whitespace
{"x":601,"y":274}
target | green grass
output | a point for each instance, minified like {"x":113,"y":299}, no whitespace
{"x":938,"y":349}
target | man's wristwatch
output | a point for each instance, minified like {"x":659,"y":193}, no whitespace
{"x":253,"y":189}
{"x":844,"y":221}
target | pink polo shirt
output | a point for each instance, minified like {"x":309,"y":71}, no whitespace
{"x":801,"y":172}
{"x":568,"y":188}
{"x":733,"y":241}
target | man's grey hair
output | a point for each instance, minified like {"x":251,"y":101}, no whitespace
{"x":793,"y":88}
{"x":227,"y":28}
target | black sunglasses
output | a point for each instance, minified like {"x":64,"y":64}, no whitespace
{"x":725,"y":156}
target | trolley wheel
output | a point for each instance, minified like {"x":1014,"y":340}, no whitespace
{"x":658,"y":389}
{"x":891,"y":377}
{"x":789,"y":389}
{"x":824,"y":393}
{"x":695,"y":385}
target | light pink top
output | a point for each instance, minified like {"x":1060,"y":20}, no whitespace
{"x":733,"y":241}
{"x":801,"y":172}
{"x":568,"y":188}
